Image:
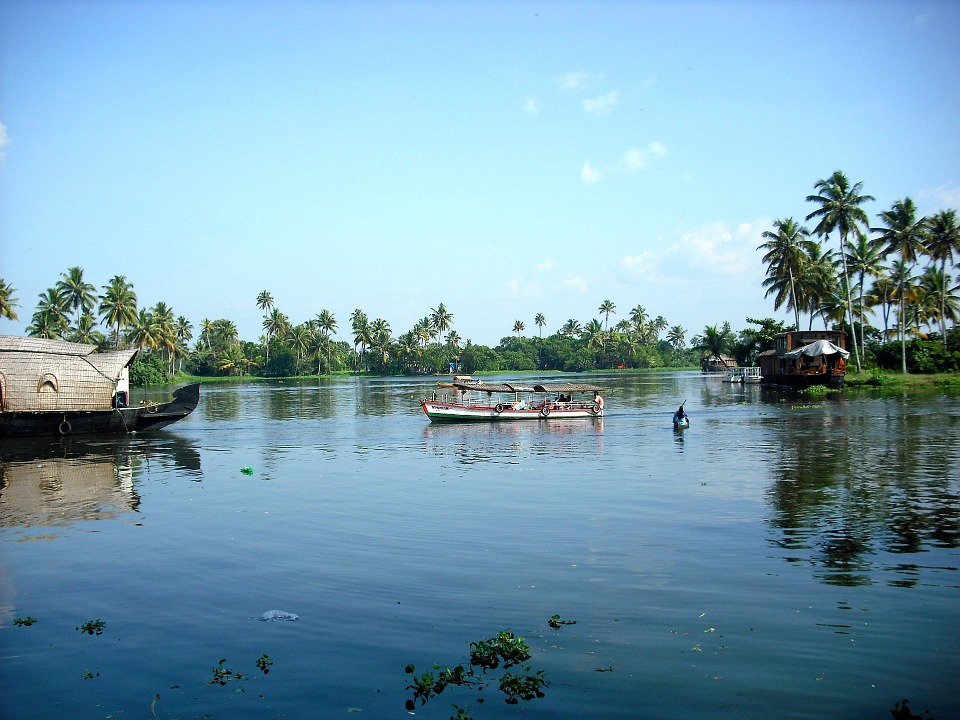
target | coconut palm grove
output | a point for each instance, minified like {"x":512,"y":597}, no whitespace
{"x":890,"y":282}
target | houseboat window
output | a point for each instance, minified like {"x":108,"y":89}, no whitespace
{"x":48,"y":383}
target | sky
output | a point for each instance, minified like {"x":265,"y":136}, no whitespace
{"x":502,"y":158}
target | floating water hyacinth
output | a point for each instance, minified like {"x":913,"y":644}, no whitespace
{"x":247,"y":470}
{"x":274,"y":615}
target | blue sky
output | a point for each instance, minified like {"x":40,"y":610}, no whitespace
{"x":503,"y":158}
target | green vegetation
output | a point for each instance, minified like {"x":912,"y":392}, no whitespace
{"x":26,"y":621}
{"x":93,"y":627}
{"x":505,"y":650}
{"x":898,"y":270}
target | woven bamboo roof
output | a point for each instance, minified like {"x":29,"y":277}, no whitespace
{"x":51,"y":375}
{"x":517,"y":388}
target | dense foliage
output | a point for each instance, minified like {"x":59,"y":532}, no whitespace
{"x":897,"y":272}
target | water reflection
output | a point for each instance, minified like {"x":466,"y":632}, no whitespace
{"x":850,"y":490}
{"x":58,"y":482}
{"x":511,"y":442}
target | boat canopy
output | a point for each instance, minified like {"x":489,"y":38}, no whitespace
{"x":816,"y":349}
{"x":517,"y":388}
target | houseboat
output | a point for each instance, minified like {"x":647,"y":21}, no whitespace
{"x":52,"y":387}
{"x":472,"y":400}
{"x":802,"y":358}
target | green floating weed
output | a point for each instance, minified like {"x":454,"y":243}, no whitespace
{"x":93,"y":627}
{"x":223,"y":675}
{"x":555,"y":622}
{"x":505,"y":650}
{"x":25,"y":621}
{"x":264,"y":662}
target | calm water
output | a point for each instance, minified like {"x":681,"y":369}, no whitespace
{"x":784,"y":557}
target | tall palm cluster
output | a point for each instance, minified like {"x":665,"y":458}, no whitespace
{"x":639,"y":330}
{"x":409,"y":349}
{"x":900,"y":268}
{"x":73,"y":310}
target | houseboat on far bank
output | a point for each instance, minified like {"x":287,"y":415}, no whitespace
{"x":802,"y":358}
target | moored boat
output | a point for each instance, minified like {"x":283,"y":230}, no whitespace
{"x":803,"y":358}
{"x":50,"y":387}
{"x":493,"y":402}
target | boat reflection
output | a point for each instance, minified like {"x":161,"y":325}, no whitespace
{"x":508,"y":441}
{"x":60,"y":482}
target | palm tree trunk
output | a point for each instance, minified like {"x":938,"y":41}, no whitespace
{"x":846,"y":290}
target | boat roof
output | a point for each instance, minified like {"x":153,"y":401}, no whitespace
{"x":517,"y":387}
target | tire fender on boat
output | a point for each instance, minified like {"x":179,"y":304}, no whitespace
{"x":545,"y":410}
{"x":499,"y":408}
{"x":596,"y":409}
{"x":65,"y":427}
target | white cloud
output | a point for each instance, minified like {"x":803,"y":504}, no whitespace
{"x":942,"y":197}
{"x":633,"y":159}
{"x":576,"y":283}
{"x":4,"y":140}
{"x":589,"y":174}
{"x":545,"y":265}
{"x":602,"y":103}
{"x":573,"y":81}
{"x":639,"y":158}
{"x":531,"y":106}
{"x":711,"y":252}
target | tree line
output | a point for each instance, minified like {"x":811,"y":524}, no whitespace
{"x":900,"y":266}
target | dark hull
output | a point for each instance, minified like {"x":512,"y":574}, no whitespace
{"x":801,"y":382}
{"x":118,"y":420}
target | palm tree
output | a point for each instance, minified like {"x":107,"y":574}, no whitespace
{"x":905,"y":236}
{"x":840,"y":210}
{"x":518,"y":327}
{"x":788,"y":249}
{"x":184,"y":332}
{"x":571,"y":327}
{"x":50,"y":318}
{"x":299,"y":338}
{"x":594,"y":335}
{"x":639,"y":317}
{"x":864,"y":257}
{"x":817,"y":287}
{"x":7,"y":301}
{"x":118,"y":307}
{"x":361,"y":333}
{"x":441,"y":319}
{"x":607,"y":308}
{"x":380,"y":339}
{"x":883,"y":293}
{"x":943,"y":242}
{"x":676,"y":337}
{"x":166,"y":333}
{"x":265,"y":303}
{"x":714,"y":342}
{"x":52,"y":314}
{"x":328,"y":326}
{"x":657,"y":327}
{"x":86,"y":331}
{"x":78,"y":294}
{"x":144,"y":330}
{"x":422,"y":331}
{"x":453,"y":340}
{"x":539,"y":320}
{"x":276,"y":325}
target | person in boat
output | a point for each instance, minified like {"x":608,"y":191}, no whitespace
{"x":680,"y":415}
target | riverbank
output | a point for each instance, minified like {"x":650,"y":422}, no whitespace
{"x":899,"y":381}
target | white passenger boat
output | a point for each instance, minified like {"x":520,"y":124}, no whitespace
{"x":492,"y":402}
{"x":751,"y":375}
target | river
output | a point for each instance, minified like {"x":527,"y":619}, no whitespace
{"x":784,"y":557}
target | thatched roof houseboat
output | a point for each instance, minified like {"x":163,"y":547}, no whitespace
{"x":52,"y":386}
{"x":801,"y":358}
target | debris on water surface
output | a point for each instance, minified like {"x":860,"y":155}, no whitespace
{"x":274,"y":615}
{"x":247,"y":470}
